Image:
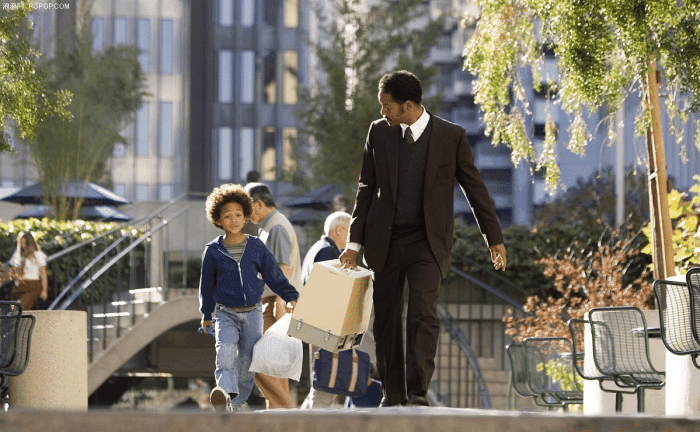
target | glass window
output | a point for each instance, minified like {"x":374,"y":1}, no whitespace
{"x":225,"y":156}
{"x":121,"y":31}
{"x":225,"y":13}
{"x":166,"y":46}
{"x":142,"y":192}
{"x":289,"y":140}
{"x":119,"y":150}
{"x":98,"y":33}
{"x":539,"y":130}
{"x":165,"y":192}
{"x":270,"y":12}
{"x":291,"y":13}
{"x":35,"y":18}
{"x":142,"y":130}
{"x":225,"y":76}
{"x":143,"y":37}
{"x":290,"y":77}
{"x":270,"y":77}
{"x":269,"y":155}
{"x":166,"y":129}
{"x":246,"y":151}
{"x":247,"y":76}
{"x":120,"y":189}
{"x":46,"y":30}
{"x":248,"y":13}
{"x":497,"y":175}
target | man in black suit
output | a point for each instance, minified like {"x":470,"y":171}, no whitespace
{"x":404,"y":218}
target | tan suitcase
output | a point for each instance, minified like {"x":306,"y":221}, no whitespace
{"x":333,"y":311}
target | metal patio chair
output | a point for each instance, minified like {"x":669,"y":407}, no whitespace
{"x":692,"y":280}
{"x":551,"y":369}
{"x":587,"y":369}
{"x":621,"y":349}
{"x":676,"y":318}
{"x":519,"y":376}
{"x":15,"y":340}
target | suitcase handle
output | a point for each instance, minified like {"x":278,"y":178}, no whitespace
{"x":353,"y":376}
{"x":346,"y":270}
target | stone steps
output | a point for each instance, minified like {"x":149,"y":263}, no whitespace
{"x":109,"y":321}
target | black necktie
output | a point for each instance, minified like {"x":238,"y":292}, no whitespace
{"x":409,"y":136}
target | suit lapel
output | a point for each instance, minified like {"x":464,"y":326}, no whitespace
{"x":434,"y":150}
{"x":392,"y":156}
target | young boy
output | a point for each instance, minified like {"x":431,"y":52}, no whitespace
{"x":230,"y":285}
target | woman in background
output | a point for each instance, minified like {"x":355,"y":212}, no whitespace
{"x":30,"y":265}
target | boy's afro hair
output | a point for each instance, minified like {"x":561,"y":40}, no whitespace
{"x":225,"y":194}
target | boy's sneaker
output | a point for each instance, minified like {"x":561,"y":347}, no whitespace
{"x":239,"y":408}
{"x":220,"y":399}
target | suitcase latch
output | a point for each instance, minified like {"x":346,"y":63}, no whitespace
{"x":299,"y":323}
{"x":328,"y":335}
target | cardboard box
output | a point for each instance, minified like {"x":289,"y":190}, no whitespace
{"x":334,"y":308}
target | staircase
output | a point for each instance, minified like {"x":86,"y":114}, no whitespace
{"x":471,"y":367}
{"x":107,"y":322}
{"x":126,"y":335}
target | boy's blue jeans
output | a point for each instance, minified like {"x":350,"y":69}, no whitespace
{"x":236,"y":334}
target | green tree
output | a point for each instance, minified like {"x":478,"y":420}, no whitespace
{"x":356,"y":47}
{"x":685,"y":216}
{"x":607,"y":50}
{"x":592,"y":201}
{"x":25,"y":96}
{"x":107,"y":88}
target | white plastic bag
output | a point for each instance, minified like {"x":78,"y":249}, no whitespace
{"x":277,"y":354}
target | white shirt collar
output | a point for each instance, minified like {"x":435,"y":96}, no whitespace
{"x":419,"y":126}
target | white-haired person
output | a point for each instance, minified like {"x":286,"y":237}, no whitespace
{"x":328,"y":247}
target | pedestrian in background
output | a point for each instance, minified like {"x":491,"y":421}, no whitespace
{"x":328,"y":247}
{"x":279,"y":236}
{"x":29,"y":263}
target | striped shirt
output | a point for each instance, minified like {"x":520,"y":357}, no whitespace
{"x":236,"y":249}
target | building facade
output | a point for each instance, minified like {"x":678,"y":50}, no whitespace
{"x":248,"y":60}
{"x":152,"y":166}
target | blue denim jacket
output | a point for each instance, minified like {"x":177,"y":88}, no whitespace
{"x":234,"y":284}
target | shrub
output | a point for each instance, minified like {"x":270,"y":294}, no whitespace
{"x":611,"y":274}
{"x":54,"y":236}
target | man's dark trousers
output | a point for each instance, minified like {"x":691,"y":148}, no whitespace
{"x":410,"y":259}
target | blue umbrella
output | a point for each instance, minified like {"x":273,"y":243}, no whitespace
{"x":91,"y":193}
{"x":101,"y":213}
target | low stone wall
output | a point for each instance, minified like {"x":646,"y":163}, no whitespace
{"x":362,"y":420}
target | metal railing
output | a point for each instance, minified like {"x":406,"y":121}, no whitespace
{"x":122,"y":273}
{"x":471,"y":313}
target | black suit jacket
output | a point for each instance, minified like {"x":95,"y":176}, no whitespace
{"x":449,"y":158}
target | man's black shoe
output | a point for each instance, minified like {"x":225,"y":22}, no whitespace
{"x":417,"y":400}
{"x":385,"y":403}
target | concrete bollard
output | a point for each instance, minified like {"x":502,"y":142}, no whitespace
{"x":682,"y":384}
{"x":56,"y":377}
